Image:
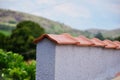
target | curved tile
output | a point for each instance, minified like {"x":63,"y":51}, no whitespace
{"x":117,"y":43}
{"x":98,"y":42}
{"x":59,"y":39}
{"x":109,"y":44}
{"x":66,"y":38}
{"x":83,"y":41}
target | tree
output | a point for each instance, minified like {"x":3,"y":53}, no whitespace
{"x":31,"y":27}
{"x":21,"y":39}
{"x":2,"y":40}
{"x":13,"y":67}
{"x":117,"y":38}
{"x":99,"y":36}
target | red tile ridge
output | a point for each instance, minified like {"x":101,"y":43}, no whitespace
{"x":43,"y":36}
{"x":63,"y":39}
{"x":70,"y":37}
{"x":59,"y":39}
{"x":117,"y":43}
{"x":66,"y":34}
{"x":109,"y":44}
{"x":98,"y":42}
{"x":38,"y":39}
{"x":84,"y":41}
{"x":66,"y":38}
{"x":55,"y":38}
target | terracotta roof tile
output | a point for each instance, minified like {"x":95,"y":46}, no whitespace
{"x":59,"y":39}
{"x":109,"y":44}
{"x":98,"y":42}
{"x":81,"y":41}
{"x":117,"y":43}
{"x":84,"y":41}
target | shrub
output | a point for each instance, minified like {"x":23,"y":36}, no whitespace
{"x":13,"y":67}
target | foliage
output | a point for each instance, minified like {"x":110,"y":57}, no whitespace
{"x":117,"y":38}
{"x":31,"y":27}
{"x":109,"y":38}
{"x":7,"y":26}
{"x":21,"y":39}
{"x":99,"y":36}
{"x":6,"y":33}
{"x":12,"y":22}
{"x":2,"y":40}
{"x":9,"y":16}
{"x":13,"y":67}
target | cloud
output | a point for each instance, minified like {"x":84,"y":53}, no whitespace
{"x":7,"y":0}
{"x":114,"y":8}
{"x":72,"y":10}
{"x":51,"y":7}
{"x":108,"y":6}
{"x":84,"y":13}
{"x":93,"y":2}
{"x":46,"y":1}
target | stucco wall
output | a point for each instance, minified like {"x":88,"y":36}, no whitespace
{"x":45,"y":60}
{"x":85,"y":63}
{"x":70,"y":62}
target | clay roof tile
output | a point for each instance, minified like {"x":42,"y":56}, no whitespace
{"x":98,"y":42}
{"x":110,"y":44}
{"x":117,"y":43}
{"x":83,"y":41}
{"x":59,"y":39}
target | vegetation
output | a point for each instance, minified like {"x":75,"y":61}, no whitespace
{"x":2,"y":40}
{"x":21,"y":39}
{"x":17,"y":33}
{"x":6,"y":33}
{"x":11,"y":18}
{"x":99,"y":36}
{"x":13,"y":67}
{"x":117,"y":38}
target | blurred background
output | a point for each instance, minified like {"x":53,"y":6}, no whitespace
{"x":22,"y":21}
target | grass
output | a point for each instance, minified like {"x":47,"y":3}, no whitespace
{"x":7,"y":33}
{"x":8,"y":24}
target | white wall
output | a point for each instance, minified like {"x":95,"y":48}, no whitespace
{"x":45,"y":60}
{"x":70,"y":62}
{"x":85,"y":63}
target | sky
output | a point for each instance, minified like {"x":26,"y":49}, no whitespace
{"x":79,"y":14}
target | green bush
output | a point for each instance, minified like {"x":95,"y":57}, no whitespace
{"x":13,"y":67}
{"x":23,"y":37}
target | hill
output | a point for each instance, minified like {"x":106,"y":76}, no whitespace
{"x":9,"y":19}
{"x":106,"y":33}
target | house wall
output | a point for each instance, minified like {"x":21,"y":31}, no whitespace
{"x":45,"y":60}
{"x":85,"y":63}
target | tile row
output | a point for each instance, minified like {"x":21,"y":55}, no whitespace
{"x":67,"y":39}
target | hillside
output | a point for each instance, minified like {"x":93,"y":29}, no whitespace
{"x":106,"y":33}
{"x":9,"y":19}
{"x":95,"y":31}
{"x":112,"y":33}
